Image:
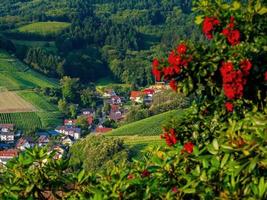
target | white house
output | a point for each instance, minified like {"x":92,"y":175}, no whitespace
{"x":69,"y":130}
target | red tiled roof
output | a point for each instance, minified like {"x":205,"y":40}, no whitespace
{"x":149,"y":91}
{"x":90,"y":120}
{"x":9,"y":152}
{"x":135,"y":94}
{"x":103,"y":130}
{"x":9,"y":126}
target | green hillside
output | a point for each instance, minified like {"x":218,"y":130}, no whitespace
{"x":147,"y":127}
{"x":16,"y":76}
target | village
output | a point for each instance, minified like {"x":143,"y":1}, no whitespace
{"x":13,"y":141}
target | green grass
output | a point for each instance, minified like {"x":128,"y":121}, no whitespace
{"x":27,"y":121}
{"x":44,"y":28}
{"x":39,"y":101}
{"x":147,"y":127}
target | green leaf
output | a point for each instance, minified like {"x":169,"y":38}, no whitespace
{"x":224,"y":160}
{"x":258,"y":6}
{"x":235,"y":5}
{"x":252,"y":164}
{"x":80,"y":175}
{"x":262,"y":11}
{"x":262,"y":187}
{"x":215,"y":144}
{"x":199,"y":19}
{"x":189,"y":191}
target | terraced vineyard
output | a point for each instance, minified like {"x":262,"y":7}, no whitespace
{"x":147,"y":127}
{"x":26,"y":121}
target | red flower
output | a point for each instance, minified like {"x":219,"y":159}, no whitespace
{"x":174,"y":189}
{"x":174,"y":59}
{"x":188,"y":147}
{"x":265,"y":76}
{"x":208,"y":26}
{"x":245,"y":66}
{"x":170,"y":137}
{"x":234,"y":37}
{"x":181,"y":48}
{"x":155,"y":63}
{"x":173,"y":85}
{"x":229,"y":91}
{"x":229,"y":106}
{"x":130,"y":176}
{"x":145,"y":173}
{"x":157,"y":74}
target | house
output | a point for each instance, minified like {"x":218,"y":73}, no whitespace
{"x":43,"y":140}
{"x":101,"y":129}
{"x":69,"y":130}
{"x":116,"y":116}
{"x":70,"y":122}
{"x":67,"y":140}
{"x":59,"y":151}
{"x":88,"y":111}
{"x":137,"y":96}
{"x":7,"y":133}
{"x":8,"y":154}
{"x":108,"y":93}
{"x":115,"y":100}
{"x":24,"y":143}
{"x":149,"y":91}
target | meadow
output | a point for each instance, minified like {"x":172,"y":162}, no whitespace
{"x":44,"y":28}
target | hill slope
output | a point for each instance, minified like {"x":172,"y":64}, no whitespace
{"x":147,"y":127}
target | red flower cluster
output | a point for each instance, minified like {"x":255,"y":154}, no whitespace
{"x":155,"y":71}
{"x":170,"y":137}
{"x":265,"y":76}
{"x":188,"y":147}
{"x":209,"y":25}
{"x":145,"y":173}
{"x":177,"y":60}
{"x":229,"y":106}
{"x":232,"y":35}
{"x":234,"y":80}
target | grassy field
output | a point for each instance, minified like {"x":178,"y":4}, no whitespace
{"x":14,"y":75}
{"x":146,"y":127}
{"x":44,"y":28}
{"x":10,"y":102}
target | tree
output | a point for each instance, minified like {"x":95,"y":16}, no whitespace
{"x":63,"y":106}
{"x":88,"y":98}
{"x":69,"y":87}
{"x":73,"y":110}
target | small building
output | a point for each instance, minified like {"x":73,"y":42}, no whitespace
{"x":137,"y":96}
{"x":108,"y":93}
{"x":115,"y":100}
{"x":70,"y":122}
{"x":8,"y":154}
{"x":24,"y":143}
{"x":43,"y":140}
{"x":69,"y":130}
{"x":67,"y":140}
{"x":88,"y":111}
{"x":7,"y":133}
{"x":116,"y":116}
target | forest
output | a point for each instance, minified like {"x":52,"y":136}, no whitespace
{"x":105,"y":38}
